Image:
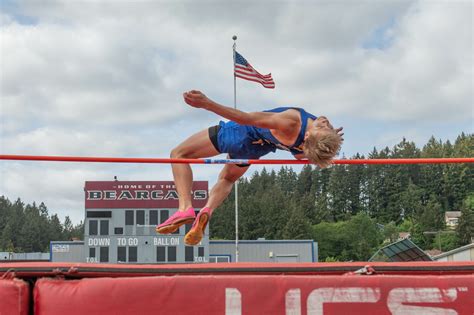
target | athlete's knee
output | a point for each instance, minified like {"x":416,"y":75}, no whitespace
{"x":230,"y":177}
{"x":179,"y":153}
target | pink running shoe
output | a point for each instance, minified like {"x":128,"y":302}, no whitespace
{"x":176,"y":220}
{"x":194,"y":235}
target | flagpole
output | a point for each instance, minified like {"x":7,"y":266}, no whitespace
{"x":237,"y":181}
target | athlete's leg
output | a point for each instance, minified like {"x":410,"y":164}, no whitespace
{"x":228,"y":176}
{"x":197,"y":146}
{"x":218,"y":194}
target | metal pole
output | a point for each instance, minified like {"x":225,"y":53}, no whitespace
{"x":439,"y":241}
{"x":236,"y":184}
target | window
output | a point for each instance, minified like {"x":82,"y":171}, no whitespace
{"x":121,"y":254}
{"x":104,"y":227}
{"x":171,"y":253}
{"x":201,"y":251}
{"x":140,"y":217}
{"x":160,"y":254}
{"x":164,"y":215}
{"x":188,"y":253}
{"x":118,"y":230}
{"x":153,"y":217}
{"x":99,"y":214}
{"x":104,"y":254}
{"x":132,"y":254}
{"x":92,"y":252}
{"x":218,"y":259}
{"x":93,"y":227}
{"x":129,"y":217}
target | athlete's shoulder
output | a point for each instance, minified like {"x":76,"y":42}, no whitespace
{"x":280,"y":109}
{"x":286,"y":112}
{"x":296,"y":111}
{"x":307,"y":114}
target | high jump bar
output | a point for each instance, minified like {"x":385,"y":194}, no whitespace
{"x":93,"y":159}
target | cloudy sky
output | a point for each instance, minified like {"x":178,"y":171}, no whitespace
{"x":105,"y":78}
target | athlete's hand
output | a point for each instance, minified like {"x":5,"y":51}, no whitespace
{"x":196,"y":99}
{"x":338,"y":131}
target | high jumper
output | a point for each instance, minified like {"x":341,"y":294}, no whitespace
{"x":244,"y":136}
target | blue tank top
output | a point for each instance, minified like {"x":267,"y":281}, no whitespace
{"x":250,"y":142}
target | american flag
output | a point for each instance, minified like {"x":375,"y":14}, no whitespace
{"x":243,"y":70}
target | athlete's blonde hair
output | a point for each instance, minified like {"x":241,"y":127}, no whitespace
{"x":321,"y":147}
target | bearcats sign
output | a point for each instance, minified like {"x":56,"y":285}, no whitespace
{"x":143,"y":194}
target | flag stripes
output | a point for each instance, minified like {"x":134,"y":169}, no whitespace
{"x":243,"y":70}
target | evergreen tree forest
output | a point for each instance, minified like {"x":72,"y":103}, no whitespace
{"x":352,"y":210}
{"x":30,"y":228}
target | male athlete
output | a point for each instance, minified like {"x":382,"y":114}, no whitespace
{"x":245,"y":136}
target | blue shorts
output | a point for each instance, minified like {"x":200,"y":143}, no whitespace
{"x":238,"y":141}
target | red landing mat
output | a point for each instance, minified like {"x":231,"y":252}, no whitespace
{"x":82,"y":270}
{"x":244,"y":288}
{"x":14,"y":297}
{"x":254,"y":294}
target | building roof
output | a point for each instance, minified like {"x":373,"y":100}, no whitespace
{"x":455,"y":251}
{"x":433,"y":252}
{"x":403,"y":250}
{"x":452,"y":214}
{"x":403,"y":235}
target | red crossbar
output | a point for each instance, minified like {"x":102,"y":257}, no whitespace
{"x":91,"y":159}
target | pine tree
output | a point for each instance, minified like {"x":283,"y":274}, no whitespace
{"x":6,"y":238}
{"x":375,"y":190}
{"x":78,"y":231}
{"x":55,"y":228}
{"x":67,"y":228}
{"x":16,"y":221}
{"x":44,"y":226}
{"x":465,"y":228}
{"x":305,"y":180}
{"x":320,"y":190}
{"x":5,"y":206}
{"x":355,"y":178}
{"x":410,"y":202}
{"x":429,"y":220}
{"x":30,"y":231}
{"x":297,"y":226}
{"x":338,"y":190}
{"x":432,"y":175}
{"x":459,"y":178}
{"x":287,"y":179}
{"x":397,"y":179}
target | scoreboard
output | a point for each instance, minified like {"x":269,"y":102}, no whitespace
{"x":120,"y":221}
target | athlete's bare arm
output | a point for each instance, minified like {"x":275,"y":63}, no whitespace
{"x":281,"y":121}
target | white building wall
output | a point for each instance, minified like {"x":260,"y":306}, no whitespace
{"x":463,"y":255}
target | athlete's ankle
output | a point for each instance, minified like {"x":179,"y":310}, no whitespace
{"x":186,"y":208}
{"x":210,"y":209}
